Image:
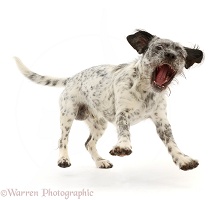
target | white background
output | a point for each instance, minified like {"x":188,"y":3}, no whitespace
{"x":61,"y":38}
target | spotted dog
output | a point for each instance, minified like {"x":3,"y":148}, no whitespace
{"x":124,"y":95}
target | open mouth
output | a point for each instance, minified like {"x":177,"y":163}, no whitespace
{"x":162,"y":76}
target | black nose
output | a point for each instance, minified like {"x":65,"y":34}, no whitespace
{"x":170,"y":56}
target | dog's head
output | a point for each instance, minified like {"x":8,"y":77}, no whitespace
{"x":164,"y":58}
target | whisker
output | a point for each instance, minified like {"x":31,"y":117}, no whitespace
{"x":175,"y":81}
{"x":169,"y":91}
{"x":196,"y":46}
{"x":183,"y":75}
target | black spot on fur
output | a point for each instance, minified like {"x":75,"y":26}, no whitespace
{"x":47,"y":82}
{"x":83,"y":112}
{"x":65,"y":81}
{"x":169,"y":149}
{"x":136,"y":72}
{"x":101,"y":73}
{"x":32,"y":76}
{"x":130,"y":85}
{"x":54,"y":83}
{"x":67,"y":128}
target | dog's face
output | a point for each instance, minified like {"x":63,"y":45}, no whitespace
{"x":163,"y":58}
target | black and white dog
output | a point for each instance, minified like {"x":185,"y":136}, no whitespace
{"x":124,"y":95}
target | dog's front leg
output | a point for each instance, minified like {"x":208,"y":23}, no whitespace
{"x":123,"y":146}
{"x":164,"y":131}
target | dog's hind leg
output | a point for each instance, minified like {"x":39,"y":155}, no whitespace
{"x":97,"y":128}
{"x":68,"y":113}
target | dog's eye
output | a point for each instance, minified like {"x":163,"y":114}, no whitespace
{"x":159,"y":48}
{"x":178,"y":48}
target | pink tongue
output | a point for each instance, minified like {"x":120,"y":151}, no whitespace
{"x":161,"y":76}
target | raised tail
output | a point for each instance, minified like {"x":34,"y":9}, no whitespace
{"x":43,"y":80}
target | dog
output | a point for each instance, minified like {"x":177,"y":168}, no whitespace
{"x":124,"y":95}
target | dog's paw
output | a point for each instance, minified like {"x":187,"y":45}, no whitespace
{"x":189,"y":165}
{"x":120,"y":151}
{"x":64,"y":162}
{"x":104,"y":164}
{"x":185,"y":162}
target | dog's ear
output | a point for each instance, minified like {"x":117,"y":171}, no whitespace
{"x":139,"y":41}
{"x":193,"y":56}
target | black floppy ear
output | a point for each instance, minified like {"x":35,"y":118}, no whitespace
{"x":139,"y":41}
{"x":193,"y":56}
